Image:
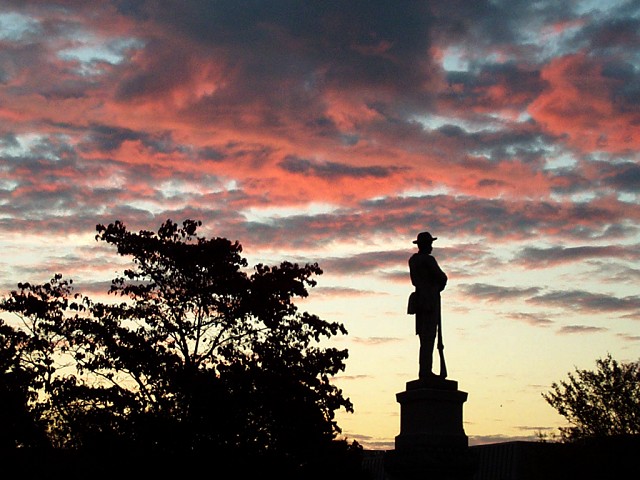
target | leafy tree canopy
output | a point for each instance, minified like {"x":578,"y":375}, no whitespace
{"x":195,"y":352}
{"x":600,"y":403}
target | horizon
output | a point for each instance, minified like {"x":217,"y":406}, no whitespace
{"x":334,"y":132}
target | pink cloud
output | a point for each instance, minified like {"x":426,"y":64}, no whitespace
{"x":580,"y":103}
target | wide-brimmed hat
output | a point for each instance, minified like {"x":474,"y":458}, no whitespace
{"x":424,"y":237}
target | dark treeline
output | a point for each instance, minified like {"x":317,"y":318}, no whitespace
{"x":194,"y":365}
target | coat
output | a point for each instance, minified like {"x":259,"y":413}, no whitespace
{"x":429,"y":280}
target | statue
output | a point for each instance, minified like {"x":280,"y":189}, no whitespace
{"x":429,"y":280}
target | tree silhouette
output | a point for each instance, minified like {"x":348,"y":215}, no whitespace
{"x":195,"y":354}
{"x":600,"y":403}
{"x":20,"y":426}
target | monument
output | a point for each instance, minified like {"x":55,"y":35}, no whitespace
{"x":432,"y":443}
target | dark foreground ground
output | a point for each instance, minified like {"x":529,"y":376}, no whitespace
{"x":605,"y":459}
{"x":614,"y":458}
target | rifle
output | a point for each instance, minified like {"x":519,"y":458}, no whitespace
{"x":443,"y":365}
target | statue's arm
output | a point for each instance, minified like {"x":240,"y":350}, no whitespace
{"x":437,"y":273}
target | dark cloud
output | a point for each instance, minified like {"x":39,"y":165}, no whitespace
{"x":9,"y":141}
{"x":366,"y":262}
{"x":623,"y":177}
{"x":629,"y":338}
{"x":106,"y":138}
{"x":211,"y":153}
{"x":459,"y":19}
{"x":484,"y":26}
{"x":496,"y":146}
{"x":585,"y":301}
{"x":498,"y":218}
{"x":278,"y":57}
{"x":621,"y":273}
{"x":161,"y":69}
{"x":516,"y":86}
{"x":535,"y":257}
{"x":533,"y":319}
{"x":371,"y":39}
{"x":625,"y":84}
{"x":580,"y":329}
{"x":607,"y":34}
{"x":333,"y":170}
{"x":495,"y":293}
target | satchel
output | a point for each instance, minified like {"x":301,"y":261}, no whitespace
{"x":412,"y":306}
{"x":425,"y":302}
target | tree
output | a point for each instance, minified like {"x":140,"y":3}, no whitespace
{"x":31,"y":355}
{"x":196,"y":355}
{"x":600,"y":403}
{"x":20,"y":425}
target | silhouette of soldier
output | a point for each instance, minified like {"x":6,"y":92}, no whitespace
{"x":429,"y":280}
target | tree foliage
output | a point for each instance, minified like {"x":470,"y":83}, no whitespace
{"x":194,"y":353}
{"x":19,"y":428}
{"x":600,"y":403}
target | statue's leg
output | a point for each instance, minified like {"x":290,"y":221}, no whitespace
{"x":427,"y":342}
{"x":426,"y":355}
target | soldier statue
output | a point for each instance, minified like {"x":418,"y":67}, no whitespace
{"x":429,"y":280}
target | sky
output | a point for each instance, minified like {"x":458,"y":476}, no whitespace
{"x":334,"y":132}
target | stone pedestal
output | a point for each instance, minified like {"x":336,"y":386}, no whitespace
{"x":432,"y":443}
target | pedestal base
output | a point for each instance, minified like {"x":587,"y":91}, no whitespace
{"x":432,"y":442}
{"x":431,"y":415}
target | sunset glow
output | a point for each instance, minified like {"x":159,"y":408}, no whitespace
{"x":333,"y":132}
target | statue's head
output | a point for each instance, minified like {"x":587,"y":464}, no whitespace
{"x":424,"y":238}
